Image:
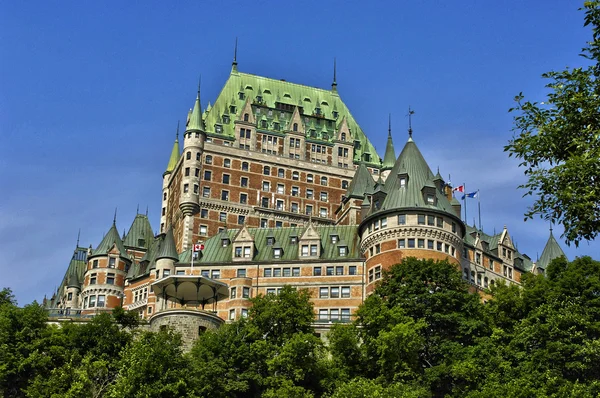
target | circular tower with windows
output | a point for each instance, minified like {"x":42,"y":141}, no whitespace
{"x":410,"y":215}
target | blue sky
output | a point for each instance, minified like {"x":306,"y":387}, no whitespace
{"x":91,"y":92}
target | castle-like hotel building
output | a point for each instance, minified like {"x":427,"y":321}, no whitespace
{"x":277,"y":184}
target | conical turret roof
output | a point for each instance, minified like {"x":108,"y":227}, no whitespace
{"x":361,"y":183}
{"x":167,"y":247}
{"x":140,"y":233}
{"x":412,"y":163}
{"x":196,"y":123}
{"x":175,"y":154}
{"x":551,"y":251}
{"x":111,"y":239}
{"x":73,"y":281}
{"x":390,"y":154}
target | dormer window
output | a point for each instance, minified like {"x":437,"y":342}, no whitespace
{"x":402,"y":181}
{"x":277,"y":252}
{"x":241,"y":95}
{"x":218,"y":128}
{"x":246,"y":116}
{"x":430,"y":199}
{"x":334,"y":238}
{"x":295,"y":127}
{"x":293,"y":240}
{"x":276,"y":126}
{"x":335,"y":114}
{"x":263,"y":124}
{"x":270,"y":240}
{"x":259,"y":98}
{"x":225,"y":119}
{"x":225,"y":242}
{"x":343,"y":136}
{"x":317,"y":111}
{"x":343,"y":251}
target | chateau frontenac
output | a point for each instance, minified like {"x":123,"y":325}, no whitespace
{"x":277,"y":184}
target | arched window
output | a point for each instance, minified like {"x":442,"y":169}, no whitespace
{"x":323,"y":180}
{"x":267,"y":170}
{"x":246,"y":116}
{"x":188,"y":155}
{"x":295,"y":128}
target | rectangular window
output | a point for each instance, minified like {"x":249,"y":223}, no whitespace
{"x":271,"y":291}
{"x":244,"y":182}
{"x":287,"y":272}
{"x":226,"y":178}
{"x":101,"y":301}
{"x":323,"y":292}
{"x":345,"y":291}
{"x":222,"y":216}
{"x":421,"y":219}
{"x":111,"y":262}
{"x":224,"y":195}
{"x":383,"y":222}
{"x":324,"y":196}
{"x":241,"y":273}
{"x":246,"y":292}
{"x":207,"y":175}
{"x":401,"y":243}
{"x":330,"y":270}
{"x":304,"y":250}
{"x":317,"y":271}
{"x":352,"y":270}
{"x":295,"y":191}
{"x":244,"y":313}
{"x":421,"y":243}
{"x":313,"y":250}
{"x":267,"y":273}
{"x":215,"y":274}
{"x":430,"y":220}
{"x":95,"y":264}
{"x":92,"y":301}
{"x":309,"y":194}
{"x":266,"y":186}
{"x":231,"y":314}
{"x":335,"y":292}
{"x":206,"y":192}
{"x":411,"y":243}
{"x":309,"y":209}
{"x":277,"y":272}
{"x":203,"y":230}
{"x":429,"y":244}
{"x":110,"y":279}
{"x":296,"y":271}
{"x":280,"y":189}
{"x":339,"y":270}
{"x":440,"y":222}
{"x":377,"y":248}
{"x":323,"y":315}
{"x":226,"y":162}
{"x":205,"y":273}
{"x":93,"y":279}
{"x":247,"y":252}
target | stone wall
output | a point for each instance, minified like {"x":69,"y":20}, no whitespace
{"x":190,"y":323}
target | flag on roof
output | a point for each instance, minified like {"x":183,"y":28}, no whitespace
{"x":460,"y":188}
{"x":470,"y":195}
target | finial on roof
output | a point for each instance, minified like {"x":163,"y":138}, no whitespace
{"x":410,"y":113}
{"x":389,"y":125}
{"x":334,"y":84}
{"x":115,"y":217}
{"x":177,"y":132}
{"x":137,"y":211}
{"x":146,"y":210}
{"x":199,"y":84}
{"x":234,"y":63}
{"x":550,"y":228}
{"x":78,"y":235}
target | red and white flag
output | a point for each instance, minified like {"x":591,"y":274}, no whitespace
{"x":460,"y":188}
{"x":198,"y":247}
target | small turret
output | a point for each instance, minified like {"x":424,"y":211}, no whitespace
{"x":166,"y":255}
{"x":390,"y":154}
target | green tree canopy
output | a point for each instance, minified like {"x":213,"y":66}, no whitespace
{"x":558,"y":143}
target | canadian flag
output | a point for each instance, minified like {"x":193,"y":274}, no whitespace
{"x":198,"y":247}
{"x":460,"y":188}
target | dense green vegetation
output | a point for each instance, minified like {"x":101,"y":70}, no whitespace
{"x":558,"y":142}
{"x":421,"y":334}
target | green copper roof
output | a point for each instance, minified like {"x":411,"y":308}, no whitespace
{"x":412,"y":163}
{"x":362,"y":183}
{"x":196,"y":123}
{"x":390,"y":154}
{"x":312,"y":100}
{"x":175,"y":155}
{"x":110,"y":239}
{"x":551,"y":251}
{"x":167,"y":247}
{"x":140,"y":233}
{"x":214,"y":252}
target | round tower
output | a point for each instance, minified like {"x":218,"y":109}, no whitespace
{"x":104,"y":279}
{"x":167,"y":176}
{"x":409,"y":216}
{"x":193,"y":146}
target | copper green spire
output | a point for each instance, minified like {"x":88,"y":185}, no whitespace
{"x":196,"y":123}
{"x":174,"y":153}
{"x":390,"y":154}
{"x":551,"y":251}
{"x":234,"y":63}
{"x":334,"y":84}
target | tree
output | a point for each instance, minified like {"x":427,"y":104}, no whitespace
{"x":7,"y":297}
{"x":558,"y":143}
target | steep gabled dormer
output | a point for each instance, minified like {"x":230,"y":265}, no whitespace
{"x":429,"y":193}
{"x":246,"y":114}
{"x":296,"y":125}
{"x":309,"y":245}
{"x":243,"y":245}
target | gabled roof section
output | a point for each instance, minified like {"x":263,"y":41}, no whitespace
{"x":290,"y":94}
{"x":140,"y":233}
{"x":412,"y":163}
{"x":111,"y":239}
{"x":76,"y":269}
{"x":214,"y":252}
{"x":362,"y":183}
{"x":551,"y":251}
{"x":167,"y":248}
{"x":309,"y":233}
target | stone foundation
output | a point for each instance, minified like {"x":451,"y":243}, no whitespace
{"x":190,"y":323}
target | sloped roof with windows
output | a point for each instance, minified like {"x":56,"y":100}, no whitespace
{"x":490,"y":247}
{"x":362,"y":183}
{"x":214,"y":252}
{"x":272,"y":91}
{"x":111,"y":239}
{"x":140,"y":233}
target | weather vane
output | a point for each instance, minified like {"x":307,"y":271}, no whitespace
{"x":410,"y":113}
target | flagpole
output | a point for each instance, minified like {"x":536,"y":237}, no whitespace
{"x":464,"y":198}
{"x":479,"y":209}
{"x":192,"y":267}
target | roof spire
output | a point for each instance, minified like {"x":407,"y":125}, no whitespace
{"x":115,"y":217}
{"x":234,"y":63}
{"x":146,"y":210}
{"x":410,"y":113}
{"x":334,"y":84}
{"x":174,"y":158}
{"x":195,"y":123}
{"x":78,"y":235}
{"x":137,"y":211}
{"x":389,"y":158}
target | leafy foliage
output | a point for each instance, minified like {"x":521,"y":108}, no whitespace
{"x":558,"y":142}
